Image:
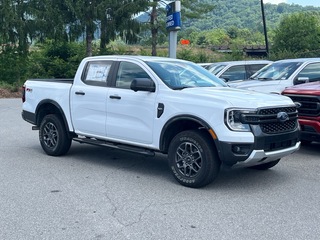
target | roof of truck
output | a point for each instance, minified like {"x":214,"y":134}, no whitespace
{"x":136,"y":57}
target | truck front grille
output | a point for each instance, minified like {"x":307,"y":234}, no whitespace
{"x":277,"y":127}
{"x":270,"y":121}
{"x":310,"y":105}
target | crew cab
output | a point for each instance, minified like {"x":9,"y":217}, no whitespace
{"x":308,"y":96}
{"x":175,"y":107}
{"x":275,"y":77}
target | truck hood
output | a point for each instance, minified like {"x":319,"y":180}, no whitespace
{"x":232,"y":97}
{"x":312,"y":88}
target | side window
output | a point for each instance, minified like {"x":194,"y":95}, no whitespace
{"x":251,"y":69}
{"x":127,"y":72}
{"x":310,"y":73}
{"x":234,"y":73}
{"x":96,"y":73}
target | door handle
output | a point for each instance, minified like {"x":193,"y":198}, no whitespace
{"x":80,"y":93}
{"x":114,"y":97}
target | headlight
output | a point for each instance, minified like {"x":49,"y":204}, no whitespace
{"x":235,"y":121}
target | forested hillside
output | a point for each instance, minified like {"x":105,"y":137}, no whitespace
{"x":49,"y":38}
{"x":243,"y":14}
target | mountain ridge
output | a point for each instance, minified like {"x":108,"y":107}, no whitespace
{"x":244,"y":14}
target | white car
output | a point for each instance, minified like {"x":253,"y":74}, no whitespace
{"x":236,"y":70}
{"x":275,"y":77}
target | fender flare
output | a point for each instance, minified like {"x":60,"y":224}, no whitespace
{"x":198,"y":120}
{"x":61,"y":112}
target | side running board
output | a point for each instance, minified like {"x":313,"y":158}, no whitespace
{"x":118,"y":146}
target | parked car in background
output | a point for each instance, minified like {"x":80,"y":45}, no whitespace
{"x":308,"y":97}
{"x":275,"y":77}
{"x":204,"y":65}
{"x":236,"y":70}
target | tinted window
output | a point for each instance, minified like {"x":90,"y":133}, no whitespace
{"x":253,"y":68}
{"x":234,"y":73}
{"x":127,"y":72}
{"x":310,"y":73}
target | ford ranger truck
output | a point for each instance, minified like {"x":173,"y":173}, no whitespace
{"x":154,"y":105}
{"x":308,"y":96}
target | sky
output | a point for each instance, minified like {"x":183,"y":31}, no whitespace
{"x":315,"y":3}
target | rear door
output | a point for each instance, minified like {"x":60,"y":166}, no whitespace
{"x":130,"y":115}
{"x":88,"y":99}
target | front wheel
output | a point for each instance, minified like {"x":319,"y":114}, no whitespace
{"x":53,"y":136}
{"x":265,"y":166}
{"x":193,"y":159}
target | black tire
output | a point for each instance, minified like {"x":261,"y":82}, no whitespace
{"x":193,"y":159}
{"x":53,"y":136}
{"x":265,"y":166}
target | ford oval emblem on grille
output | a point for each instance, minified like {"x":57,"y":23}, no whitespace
{"x":282,"y":117}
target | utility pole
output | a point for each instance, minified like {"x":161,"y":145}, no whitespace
{"x":264,"y":28}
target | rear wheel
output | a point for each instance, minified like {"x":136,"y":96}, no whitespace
{"x":193,"y":158}
{"x":265,"y":166}
{"x":53,"y":136}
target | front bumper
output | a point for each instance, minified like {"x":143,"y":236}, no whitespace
{"x":310,"y":129}
{"x":265,"y":148}
{"x":260,"y":156}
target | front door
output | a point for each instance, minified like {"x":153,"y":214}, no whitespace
{"x":130,"y":115}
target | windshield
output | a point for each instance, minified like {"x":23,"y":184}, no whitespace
{"x":179,"y":74}
{"x":216,"y":68}
{"x":276,"y":71}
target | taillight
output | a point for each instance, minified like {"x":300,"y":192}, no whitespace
{"x":23,"y":93}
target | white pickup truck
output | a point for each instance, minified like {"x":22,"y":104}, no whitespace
{"x":149,"y":104}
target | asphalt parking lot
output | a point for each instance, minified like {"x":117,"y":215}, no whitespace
{"x":99,"y":193}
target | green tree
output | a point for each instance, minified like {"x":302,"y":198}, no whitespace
{"x":71,"y":20}
{"x":117,"y":20}
{"x":113,"y":17}
{"x":189,"y":10}
{"x":297,"y":33}
{"x":16,"y":24}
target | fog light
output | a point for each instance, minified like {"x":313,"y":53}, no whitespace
{"x":240,"y":149}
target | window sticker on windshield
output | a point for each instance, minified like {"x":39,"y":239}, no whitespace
{"x":98,"y":72}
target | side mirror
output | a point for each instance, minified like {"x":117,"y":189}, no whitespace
{"x":300,"y":80}
{"x":143,"y":84}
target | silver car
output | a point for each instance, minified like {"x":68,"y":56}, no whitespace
{"x":236,"y":70}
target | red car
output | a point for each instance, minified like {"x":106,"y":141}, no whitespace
{"x":308,"y":95}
